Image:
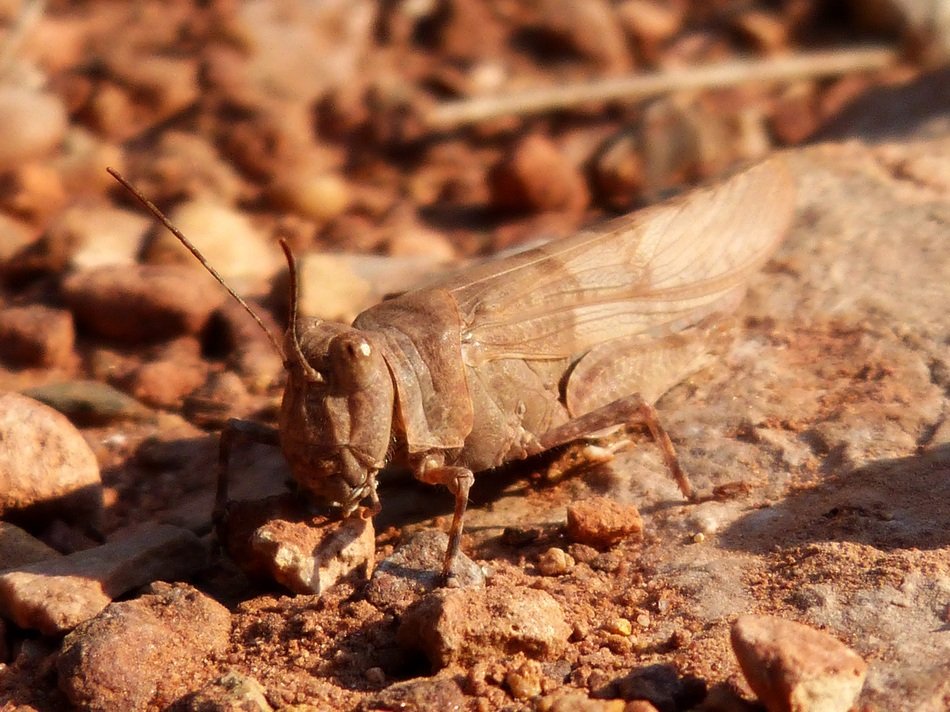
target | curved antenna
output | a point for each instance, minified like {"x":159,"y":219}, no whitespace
{"x":310,"y":372}
{"x":151,"y":207}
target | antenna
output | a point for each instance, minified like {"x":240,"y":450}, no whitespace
{"x":160,"y":216}
{"x":311,"y":373}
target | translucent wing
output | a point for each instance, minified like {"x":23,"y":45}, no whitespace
{"x":655,"y":273}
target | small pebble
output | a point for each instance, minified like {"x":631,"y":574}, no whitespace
{"x":232,"y":692}
{"x":86,"y":236}
{"x":315,"y":194}
{"x":88,"y":403}
{"x":225,"y":236}
{"x":639,"y":706}
{"x":165,"y":381}
{"x":375,"y":676}
{"x":573,"y":701}
{"x":524,"y":681}
{"x":338,"y":286}
{"x":18,"y":547}
{"x":555,"y":562}
{"x":619,"y":626}
{"x":651,"y":22}
{"x":80,"y":161}
{"x":601,"y":521}
{"x":588,"y":29}
{"x":279,"y":539}
{"x":312,"y":556}
{"x":34,"y":191}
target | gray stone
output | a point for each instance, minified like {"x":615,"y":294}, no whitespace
{"x":414,"y":569}
{"x":19,"y":547}
{"x":90,"y":402}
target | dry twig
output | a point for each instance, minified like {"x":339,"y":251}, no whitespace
{"x":454,"y":114}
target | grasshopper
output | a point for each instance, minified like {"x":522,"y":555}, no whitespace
{"x":512,"y":357}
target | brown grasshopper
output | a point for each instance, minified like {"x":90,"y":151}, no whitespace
{"x":511,"y":357}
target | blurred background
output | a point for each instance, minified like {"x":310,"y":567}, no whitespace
{"x":422,"y":132}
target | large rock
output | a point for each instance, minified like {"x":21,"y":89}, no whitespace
{"x":46,"y":467}
{"x":142,"y":654}
{"x":455,"y":626}
{"x":794,"y":668}
{"x":55,"y":595}
{"x":142,"y":303}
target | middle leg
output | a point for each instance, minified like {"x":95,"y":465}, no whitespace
{"x":633,"y":410}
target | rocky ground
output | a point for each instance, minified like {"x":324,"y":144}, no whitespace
{"x":814,"y":564}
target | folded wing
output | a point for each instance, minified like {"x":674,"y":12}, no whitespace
{"x":654,"y":273}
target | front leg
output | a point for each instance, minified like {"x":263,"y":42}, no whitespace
{"x":234,"y":431}
{"x":459,"y":481}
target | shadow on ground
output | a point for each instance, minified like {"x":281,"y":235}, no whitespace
{"x":889,"y":504}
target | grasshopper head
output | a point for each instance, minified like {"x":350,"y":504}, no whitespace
{"x":337,"y":409}
{"x":336,"y":415}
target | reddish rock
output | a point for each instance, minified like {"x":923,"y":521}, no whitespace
{"x":142,"y":302}
{"x":33,"y":191}
{"x":165,"y":381}
{"x":229,"y":240}
{"x":144,"y":653}
{"x":92,"y":234}
{"x":601,"y":521}
{"x":249,"y":350}
{"x":589,"y":29}
{"x":37,"y":336}
{"x":794,"y":668}
{"x":537,"y":176}
{"x":279,"y":539}
{"x":459,"y":626}
{"x":312,"y":556}
{"x":46,"y":467}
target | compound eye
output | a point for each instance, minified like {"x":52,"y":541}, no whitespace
{"x":353,"y":358}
